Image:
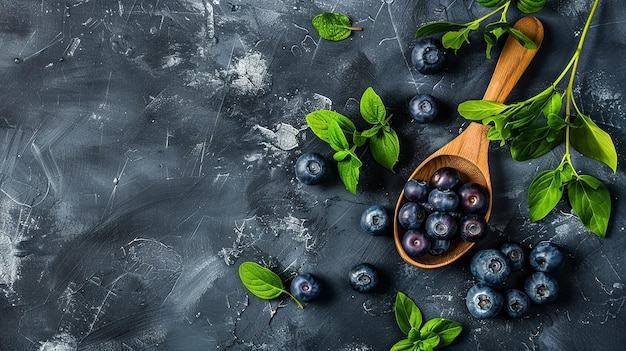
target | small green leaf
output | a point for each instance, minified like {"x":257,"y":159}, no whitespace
{"x":477,"y":110}
{"x":522,"y":39}
{"x":553,"y":105}
{"x":372,"y":107}
{"x":594,"y":142}
{"x":591,"y":201}
{"x":369,"y":133}
{"x":408,"y":315}
{"x":336,"y":139}
{"x":349,"y":170}
{"x":341,"y":155}
{"x":319,"y":121}
{"x":333,"y":26}
{"x":262,"y":282}
{"x":535,"y":141}
{"x":414,"y":335}
{"x":544,"y":192}
{"x":437,"y":27}
{"x":385,"y":148}
{"x":403,"y":345}
{"x":430,"y":340}
{"x":455,"y":39}
{"x":493,"y":32}
{"x":448,"y":330}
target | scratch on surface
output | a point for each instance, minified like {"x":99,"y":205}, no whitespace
{"x":58,"y":38}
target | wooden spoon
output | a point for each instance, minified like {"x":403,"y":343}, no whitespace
{"x":468,"y":152}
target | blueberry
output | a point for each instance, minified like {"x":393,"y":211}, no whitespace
{"x":483,"y":301}
{"x":546,"y":257}
{"x":411,"y":215}
{"x":473,"y":228}
{"x":517,"y":303}
{"x":311,"y":168}
{"x":375,"y":220}
{"x":515,"y":253}
{"x":541,"y":287}
{"x":428,"y":56}
{"x":423,"y":108}
{"x":441,"y":225}
{"x":473,"y":198}
{"x":363,"y":277}
{"x":443,"y":199}
{"x":416,"y":243}
{"x":490,"y":267}
{"x":439,"y":246}
{"x":416,"y":190}
{"x":305,"y":287}
{"x":445,"y":178}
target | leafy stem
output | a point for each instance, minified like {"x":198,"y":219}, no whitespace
{"x":534,"y":127}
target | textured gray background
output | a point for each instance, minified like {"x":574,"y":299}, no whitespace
{"x":147,"y":149}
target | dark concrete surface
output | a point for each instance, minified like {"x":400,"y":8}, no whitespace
{"x":147,"y":149}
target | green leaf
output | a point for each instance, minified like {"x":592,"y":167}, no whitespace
{"x":477,"y":110}
{"x":403,"y":345}
{"x":262,"y":282}
{"x":493,"y":32}
{"x":349,"y":170}
{"x":336,"y":138}
{"x":544,"y":192}
{"x":522,"y":39}
{"x":341,"y":155}
{"x":369,"y":133}
{"x":408,"y":315}
{"x":534,"y":142}
{"x":448,"y":330}
{"x":455,"y":39}
{"x":319,"y":121}
{"x":594,"y":142}
{"x":414,"y":335}
{"x":437,"y":27}
{"x":591,"y":201}
{"x":385,"y":148}
{"x":429,"y":341}
{"x":553,"y":105}
{"x":372,"y":107}
{"x":333,"y":26}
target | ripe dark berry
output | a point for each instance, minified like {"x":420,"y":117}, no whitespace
{"x":483,"y":301}
{"x":423,"y":108}
{"x":546,"y":257}
{"x":515,"y":253}
{"x":473,"y":197}
{"x":517,"y":303}
{"x":311,"y":168}
{"x":416,"y":190}
{"x":541,"y":287}
{"x":363,"y":277}
{"x":473,"y":228}
{"x":439,"y":246}
{"x":411,"y":215}
{"x":490,"y":267}
{"x":305,"y":287}
{"x":375,"y":220}
{"x":443,"y":199}
{"x":428,"y":56}
{"x":416,"y":243}
{"x":445,"y":178}
{"x":441,"y":225}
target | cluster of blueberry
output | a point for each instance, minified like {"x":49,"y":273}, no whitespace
{"x":428,"y":57}
{"x":439,"y":209}
{"x":306,"y":287}
{"x":492,"y":269}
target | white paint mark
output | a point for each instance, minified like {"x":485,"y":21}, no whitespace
{"x":284,"y":138}
{"x":60,"y":342}
{"x":249,"y":74}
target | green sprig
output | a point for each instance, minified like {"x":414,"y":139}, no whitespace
{"x":262,"y":282}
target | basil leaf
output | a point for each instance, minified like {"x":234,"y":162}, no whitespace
{"x":349,"y":170}
{"x":522,"y":39}
{"x":336,"y":139}
{"x":403,"y":345}
{"x":544,"y":192}
{"x":591,"y":201}
{"x":555,"y":121}
{"x":455,"y":39}
{"x":260,"y":281}
{"x":477,"y":110}
{"x":408,"y":315}
{"x":437,"y":27}
{"x":385,"y":148}
{"x":430,"y":341}
{"x":333,"y":26}
{"x":553,"y":105}
{"x":371,"y":132}
{"x":534,"y":142}
{"x":372,"y":107}
{"x":493,"y":32}
{"x":448,"y":330}
{"x":414,"y":335}
{"x":594,"y":142}
{"x":341,"y":155}
{"x":319,"y":120}
{"x":358,"y":139}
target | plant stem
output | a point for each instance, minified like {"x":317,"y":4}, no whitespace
{"x":506,"y":5}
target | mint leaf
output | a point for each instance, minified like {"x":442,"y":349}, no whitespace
{"x":408,"y":315}
{"x":429,"y":341}
{"x":372,"y":108}
{"x":262,"y":282}
{"x":593,"y":142}
{"x":385,"y":148}
{"x":553,"y":105}
{"x":455,"y":39}
{"x":591,"y":201}
{"x":536,"y":141}
{"x":403,"y":345}
{"x":319,"y":120}
{"x":437,"y":27}
{"x":448,"y":330}
{"x":522,"y":38}
{"x":544,"y":192}
{"x":477,"y":110}
{"x":493,"y":32}
{"x":349,"y":170}
{"x":333,"y":26}
{"x":336,"y":139}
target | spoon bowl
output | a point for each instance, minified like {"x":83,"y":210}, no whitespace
{"x":468,"y":152}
